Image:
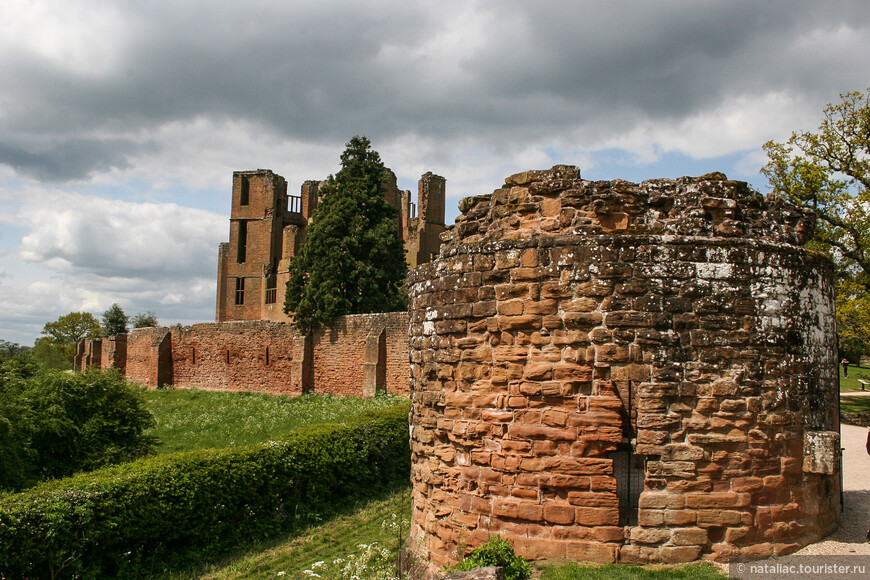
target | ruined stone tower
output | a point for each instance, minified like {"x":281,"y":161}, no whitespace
{"x":610,"y":371}
{"x":267,"y":227}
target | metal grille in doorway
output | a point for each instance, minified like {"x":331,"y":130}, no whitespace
{"x":628,"y":469}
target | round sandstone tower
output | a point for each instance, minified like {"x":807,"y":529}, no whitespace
{"x":611,"y":371}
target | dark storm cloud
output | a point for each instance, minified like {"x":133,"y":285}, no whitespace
{"x":71,"y":159}
{"x":492,"y":72}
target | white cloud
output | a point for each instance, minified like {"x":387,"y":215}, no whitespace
{"x":741,"y":123}
{"x":82,"y":253}
{"x":78,"y":234}
{"x":83,"y":37}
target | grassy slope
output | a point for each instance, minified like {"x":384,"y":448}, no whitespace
{"x":196,"y":419}
{"x":337,"y":538}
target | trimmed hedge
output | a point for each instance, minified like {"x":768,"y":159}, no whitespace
{"x":156,"y":513}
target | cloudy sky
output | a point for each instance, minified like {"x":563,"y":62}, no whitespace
{"x":121,"y":122}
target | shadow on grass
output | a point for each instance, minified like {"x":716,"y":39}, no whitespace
{"x":197,"y":564}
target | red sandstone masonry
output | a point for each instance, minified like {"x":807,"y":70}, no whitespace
{"x":340,"y":353}
{"x":357,"y":356}
{"x":565,"y":319}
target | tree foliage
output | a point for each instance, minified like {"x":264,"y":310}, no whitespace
{"x":61,"y":336}
{"x":52,"y":355}
{"x":115,"y":321}
{"x":145,"y":319}
{"x":353,"y":260}
{"x":8,"y":349}
{"x":853,"y":319}
{"x":827,"y":173}
{"x":53,"y":424}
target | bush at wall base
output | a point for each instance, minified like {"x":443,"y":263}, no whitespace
{"x":497,"y":551}
{"x":146,"y":515}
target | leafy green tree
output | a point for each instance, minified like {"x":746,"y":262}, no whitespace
{"x":50,"y":354}
{"x":853,"y":319}
{"x":353,"y":259}
{"x":65,"y":332}
{"x":115,"y":321}
{"x":827,"y":173}
{"x":8,"y":349}
{"x":145,"y":320}
{"x":16,"y":424}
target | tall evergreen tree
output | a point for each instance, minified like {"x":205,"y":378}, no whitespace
{"x":353,"y":259}
{"x":115,"y":321}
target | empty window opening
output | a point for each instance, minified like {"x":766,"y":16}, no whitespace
{"x":244,"y":191}
{"x":193,"y":356}
{"x":228,"y":356}
{"x":243,"y":241}
{"x":267,"y":356}
{"x":240,"y":291}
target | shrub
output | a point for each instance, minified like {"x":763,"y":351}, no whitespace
{"x":497,"y":552}
{"x":159,"y":512}
{"x":53,"y":424}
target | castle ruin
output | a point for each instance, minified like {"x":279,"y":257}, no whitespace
{"x":250,"y":347}
{"x":602,"y":371}
{"x":267,"y":227}
{"x":616,"y":372}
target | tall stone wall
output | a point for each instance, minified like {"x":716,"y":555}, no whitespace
{"x":362,"y":349}
{"x":610,"y":371}
{"x":359,"y":355}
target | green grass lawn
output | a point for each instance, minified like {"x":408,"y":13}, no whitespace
{"x":855,"y":405}
{"x":196,"y":419}
{"x":625,"y":572}
{"x":851,"y":383}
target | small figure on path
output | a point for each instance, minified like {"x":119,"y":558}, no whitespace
{"x":845,"y":364}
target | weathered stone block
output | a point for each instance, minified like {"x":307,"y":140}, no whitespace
{"x":679,"y":554}
{"x":689,"y":537}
